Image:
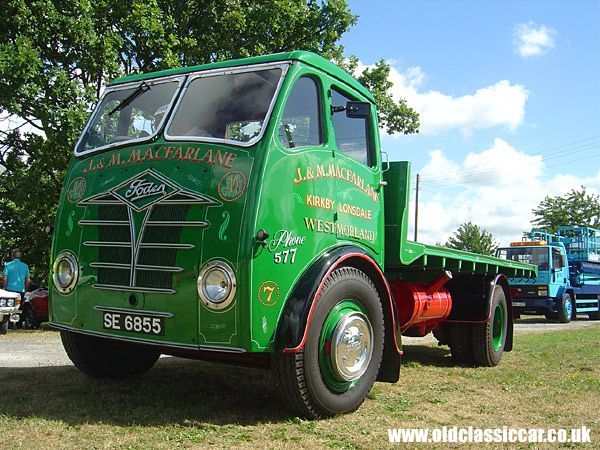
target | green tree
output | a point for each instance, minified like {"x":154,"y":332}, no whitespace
{"x":576,"y":208}
{"x":471,"y":238}
{"x":56,"y":56}
{"x":394,"y":117}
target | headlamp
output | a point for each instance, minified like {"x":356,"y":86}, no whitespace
{"x":7,"y":302}
{"x":65,"y":272}
{"x":217,"y":285}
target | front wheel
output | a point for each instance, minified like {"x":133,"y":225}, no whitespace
{"x":29,"y":320}
{"x":565,"y":309}
{"x":338,"y":364}
{"x":489,"y":338}
{"x":106,"y":358}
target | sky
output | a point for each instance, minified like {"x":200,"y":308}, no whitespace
{"x":508,"y":94}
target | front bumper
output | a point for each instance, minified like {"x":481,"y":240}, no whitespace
{"x":12,"y":311}
{"x":524,"y":305}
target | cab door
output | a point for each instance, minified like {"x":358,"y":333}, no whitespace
{"x":358,"y":208}
{"x":295,"y":203}
{"x":560,"y":271}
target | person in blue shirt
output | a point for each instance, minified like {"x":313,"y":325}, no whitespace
{"x":15,"y":276}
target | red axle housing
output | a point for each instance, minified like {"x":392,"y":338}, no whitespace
{"x":421,"y":307}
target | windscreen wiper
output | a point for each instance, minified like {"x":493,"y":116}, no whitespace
{"x":131,"y":97}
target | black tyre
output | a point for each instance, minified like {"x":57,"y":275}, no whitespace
{"x":105,"y":358}
{"x":594,"y":315}
{"x":338,"y":364}
{"x":29,"y":320}
{"x":4,"y":325}
{"x":566,"y":312}
{"x":489,"y":338}
{"x":460,"y":341}
{"x":19,"y":324}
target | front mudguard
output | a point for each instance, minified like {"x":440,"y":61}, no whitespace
{"x":295,"y":321}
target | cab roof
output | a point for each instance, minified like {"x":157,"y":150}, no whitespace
{"x":308,"y":58}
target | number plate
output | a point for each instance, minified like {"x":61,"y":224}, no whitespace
{"x":136,"y":323}
{"x":518,"y":303}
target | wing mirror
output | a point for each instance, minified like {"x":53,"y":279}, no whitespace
{"x":358,"y":109}
{"x":354,"y":110}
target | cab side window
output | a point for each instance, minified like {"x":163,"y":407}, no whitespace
{"x":557,"y":262}
{"x":300,"y":124}
{"x":351,"y":134}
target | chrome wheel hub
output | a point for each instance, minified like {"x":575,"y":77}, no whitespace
{"x":352,"y":346}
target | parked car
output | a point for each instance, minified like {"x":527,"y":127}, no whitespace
{"x":35,"y":309}
{"x":9,"y":309}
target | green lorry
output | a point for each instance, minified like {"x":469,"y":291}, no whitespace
{"x":241,"y":212}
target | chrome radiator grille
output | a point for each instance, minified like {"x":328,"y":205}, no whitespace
{"x":138,"y":244}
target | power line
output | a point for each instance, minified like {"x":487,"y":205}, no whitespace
{"x":566,"y":145}
{"x":588,"y":146}
{"x":575,"y":150}
{"x":556,"y":155}
{"x":479,"y":176}
{"x":465,"y":173}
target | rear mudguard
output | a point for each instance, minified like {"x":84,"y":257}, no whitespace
{"x":295,"y":321}
{"x":472,"y":299}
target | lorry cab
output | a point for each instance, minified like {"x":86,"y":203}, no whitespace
{"x":553,"y":274}
{"x":568,"y":278}
{"x":193,"y":193}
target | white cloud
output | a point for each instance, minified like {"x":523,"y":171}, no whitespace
{"x":498,"y":166}
{"x":496,"y":189}
{"x":501,"y":104}
{"x":530,"y":39}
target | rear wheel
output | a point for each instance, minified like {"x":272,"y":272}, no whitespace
{"x":489,"y":338}
{"x":565,"y":309}
{"x":337,"y":366}
{"x":461,"y":342}
{"x":106,"y":358}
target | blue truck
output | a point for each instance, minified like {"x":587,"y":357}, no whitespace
{"x":568,"y":281}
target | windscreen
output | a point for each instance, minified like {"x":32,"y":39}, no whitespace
{"x":131,"y":112}
{"x":225,"y":106}
{"x":538,"y":256}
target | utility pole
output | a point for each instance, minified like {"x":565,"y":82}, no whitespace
{"x":417,"y":209}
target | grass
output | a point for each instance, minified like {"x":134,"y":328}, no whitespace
{"x":550,"y":380}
